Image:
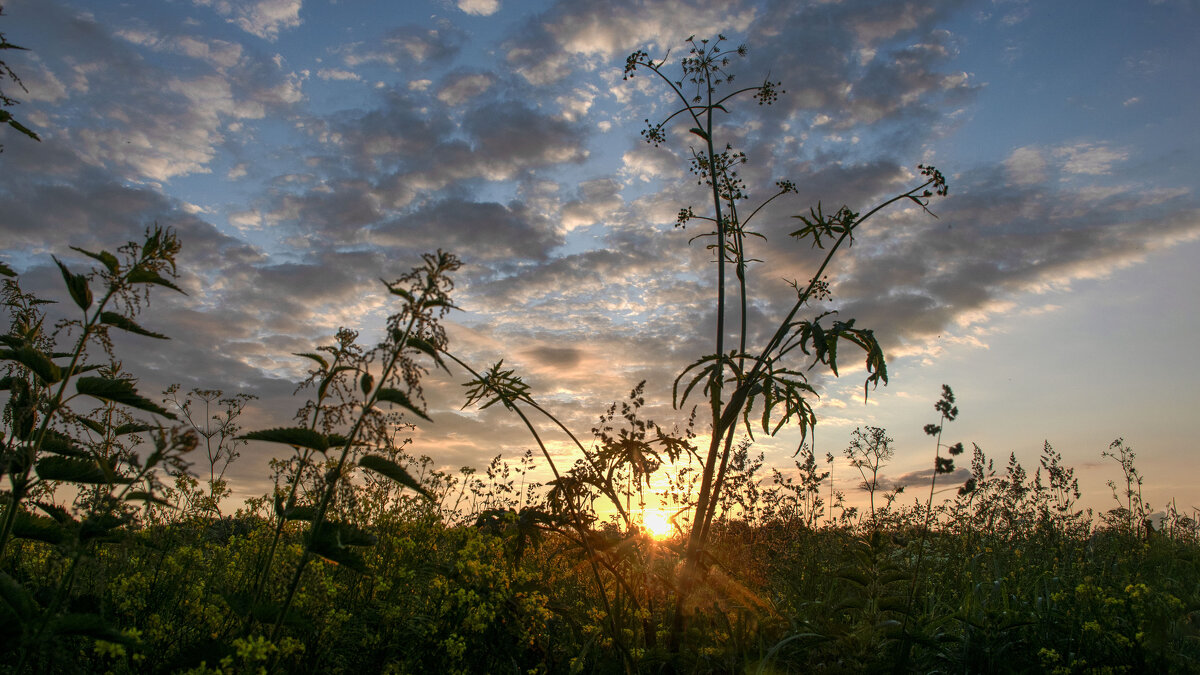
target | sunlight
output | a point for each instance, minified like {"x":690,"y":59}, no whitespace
{"x":656,"y":523}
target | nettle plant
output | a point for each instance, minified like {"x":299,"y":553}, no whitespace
{"x":68,"y":423}
{"x":739,"y":377}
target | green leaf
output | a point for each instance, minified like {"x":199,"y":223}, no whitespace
{"x":133,"y":428}
{"x":143,"y":496}
{"x":333,"y":541}
{"x":93,"y":425}
{"x":8,"y":119}
{"x":6,"y":270}
{"x":77,"y":286}
{"x":125,"y":323}
{"x":37,"y":528}
{"x":324,"y":386}
{"x":90,"y":625}
{"x":305,"y":513}
{"x":40,"y":364}
{"x":61,"y":444}
{"x":102,"y":527}
{"x":699,"y":132}
{"x":17,"y":598}
{"x":340,"y":441}
{"x":315,"y":357}
{"x":118,"y":391}
{"x":396,"y":290}
{"x":58,"y":513}
{"x":109,"y":260}
{"x":365,"y":382}
{"x":141,"y":275}
{"x":76,"y":470}
{"x":297,"y":436}
{"x":392,"y":470}
{"x":396,"y":396}
{"x":424,"y":346}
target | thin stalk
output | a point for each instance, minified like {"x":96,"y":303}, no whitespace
{"x":912,"y":589}
{"x":576,"y":516}
{"x":335,"y":475}
{"x":264,"y":570}
{"x":10,"y":514}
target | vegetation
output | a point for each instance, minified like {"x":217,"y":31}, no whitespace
{"x":369,"y":557}
{"x":7,"y":101}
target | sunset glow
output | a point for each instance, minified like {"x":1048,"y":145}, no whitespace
{"x":658,"y":524}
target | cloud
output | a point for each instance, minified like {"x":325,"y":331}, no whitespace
{"x":338,"y":74}
{"x":1026,"y":166}
{"x":164,"y":123}
{"x":220,"y":54}
{"x":646,"y":162}
{"x":40,"y":84}
{"x":955,"y":479}
{"x":459,"y":88}
{"x":264,"y":18}
{"x":574,"y":273}
{"x":543,"y":49}
{"x":1089,"y":159}
{"x":597,"y":199}
{"x":406,"y":45}
{"x":479,"y":7}
{"x":476,"y":231}
{"x":997,"y":238}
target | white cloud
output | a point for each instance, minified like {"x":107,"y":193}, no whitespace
{"x":597,"y":199}
{"x":419,"y":85}
{"x":246,"y":220}
{"x":220,"y":54}
{"x":576,"y":104}
{"x":645,"y":163}
{"x":264,"y":18}
{"x":338,"y":74}
{"x":1025,"y":166}
{"x":479,"y":7}
{"x":42,"y":84}
{"x":1089,"y":159}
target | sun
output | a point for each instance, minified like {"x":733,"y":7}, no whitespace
{"x":656,"y":523}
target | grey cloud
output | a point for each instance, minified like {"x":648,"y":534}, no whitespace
{"x":401,"y":129}
{"x":63,"y":203}
{"x":558,"y":357}
{"x":597,"y":198}
{"x":922,"y":477}
{"x":993,"y":240}
{"x":862,"y":63}
{"x":144,"y":121}
{"x":475,"y":231}
{"x":573,"y":30}
{"x":461,"y":86}
{"x":505,"y":140}
{"x":516,"y":134}
{"x":337,"y":210}
{"x":406,"y":45}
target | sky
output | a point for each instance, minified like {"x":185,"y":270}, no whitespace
{"x":303,"y":150}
